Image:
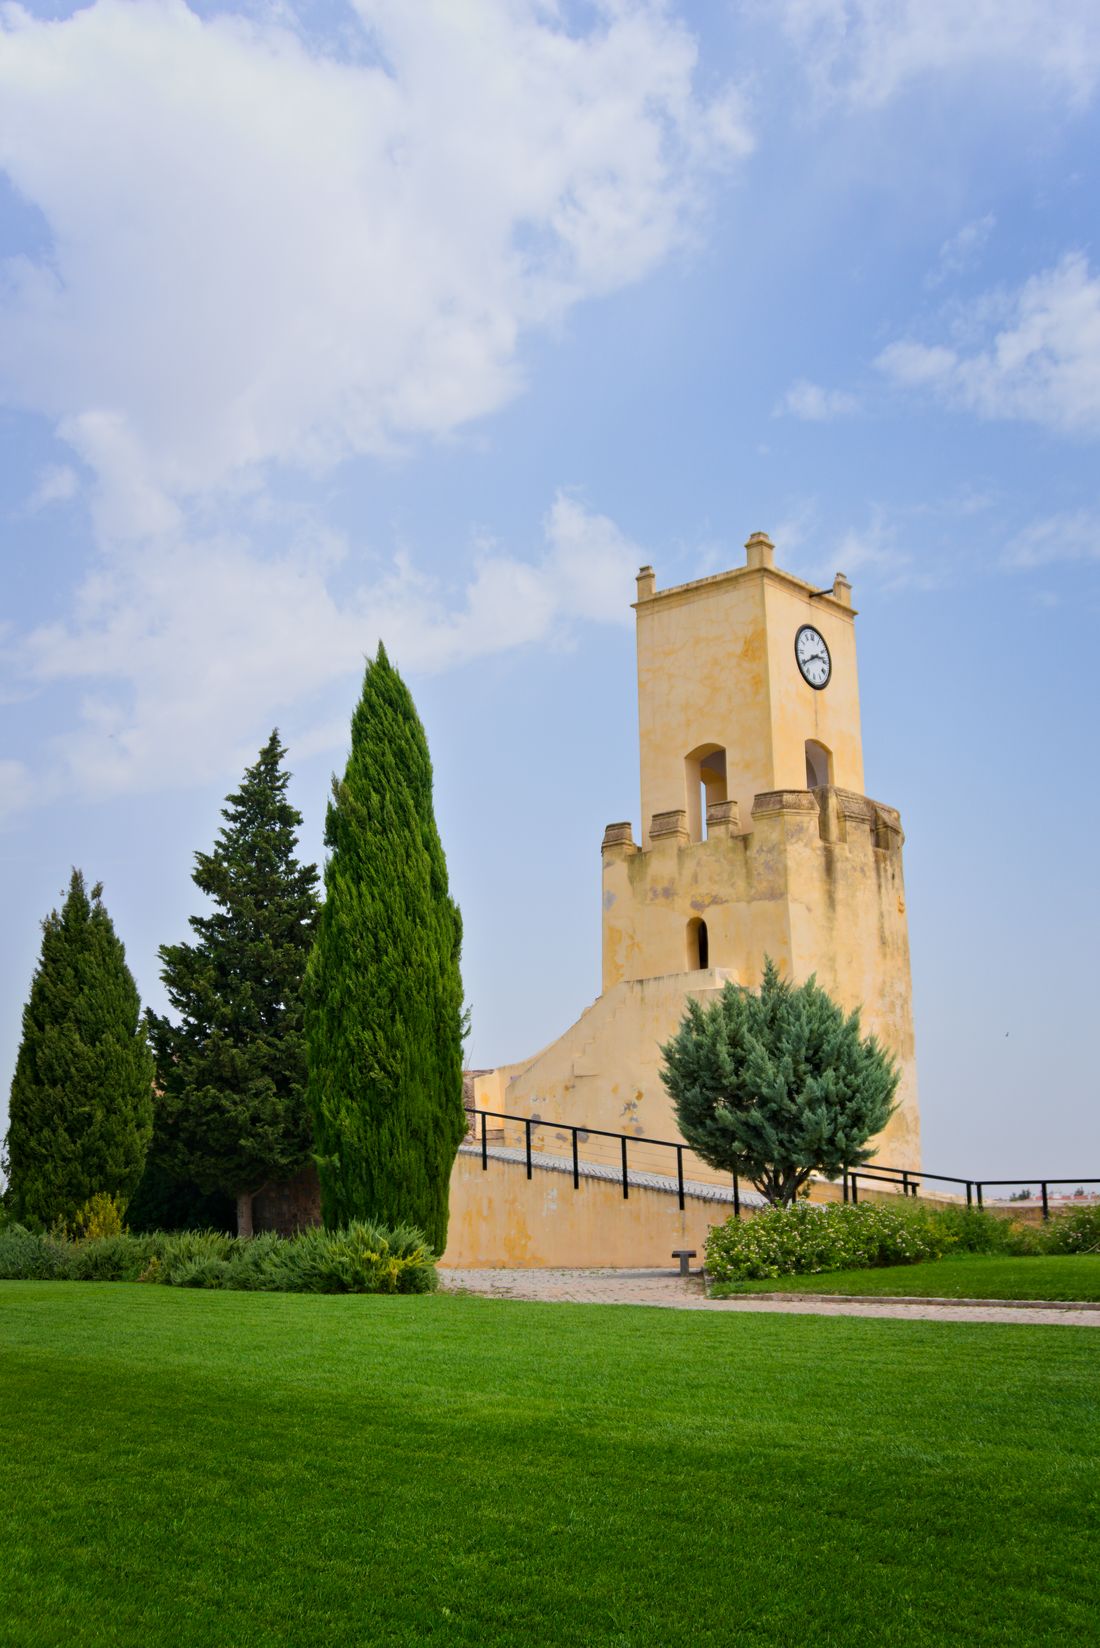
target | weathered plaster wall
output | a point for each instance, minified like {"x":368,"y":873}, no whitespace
{"x":811,"y":878}
{"x":817,"y":885}
{"x":605,"y":1073}
{"x":500,"y":1217}
{"x":716,"y":667}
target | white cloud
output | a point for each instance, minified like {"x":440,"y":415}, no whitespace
{"x":872,"y":552}
{"x":262,"y":253}
{"x":1071,"y":536}
{"x":590,"y":562}
{"x":868,"y":51}
{"x":1032,"y":355}
{"x":266,"y":257}
{"x":56,"y":484}
{"x":814,"y":404}
{"x":962,"y":250}
{"x":16,"y":788}
{"x":186,"y":650}
{"x":817,"y":554}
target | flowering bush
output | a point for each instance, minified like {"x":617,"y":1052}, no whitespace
{"x":1075,"y":1232}
{"x":807,"y":1239}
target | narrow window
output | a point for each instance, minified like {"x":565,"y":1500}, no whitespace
{"x":698,"y":945}
{"x":819,"y":765}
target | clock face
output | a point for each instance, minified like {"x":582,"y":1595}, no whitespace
{"x":813,"y":657}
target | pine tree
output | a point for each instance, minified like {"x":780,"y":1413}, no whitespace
{"x":230,"y":1112}
{"x":80,"y":1115}
{"x":385,"y":1020}
{"x":778,"y":1085}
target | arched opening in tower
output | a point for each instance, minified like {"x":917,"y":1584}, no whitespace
{"x":705,"y":778}
{"x":698,"y":945}
{"x":819,"y":765}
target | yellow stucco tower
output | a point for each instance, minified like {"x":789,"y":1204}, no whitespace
{"x":756,"y":840}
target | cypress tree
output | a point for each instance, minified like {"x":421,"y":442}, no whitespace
{"x":230,"y":1111}
{"x":385,"y":1021}
{"x":80,"y":1115}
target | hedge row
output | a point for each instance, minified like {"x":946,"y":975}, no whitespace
{"x":810,"y":1239}
{"x":362,"y":1258}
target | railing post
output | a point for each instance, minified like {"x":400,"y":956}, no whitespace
{"x":576,"y":1163}
{"x":845,"y":1187}
{"x":904,"y":1182}
{"x":736,"y":1198}
{"x":855,"y":1192}
{"x":1046,"y":1203}
{"x":527,"y":1131}
{"x":680,"y":1174}
{"x":484,"y":1144}
{"x":979,"y":1196}
{"x":626,"y":1182}
{"x":970,"y":1193}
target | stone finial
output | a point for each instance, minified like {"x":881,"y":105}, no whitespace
{"x":842,"y":590}
{"x":618,"y":835}
{"x":647,"y":583}
{"x":759,"y":550}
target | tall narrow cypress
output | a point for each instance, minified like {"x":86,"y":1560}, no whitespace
{"x":384,"y":1013}
{"x":81,"y":1106}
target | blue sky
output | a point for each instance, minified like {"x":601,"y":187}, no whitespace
{"x":432,"y":321}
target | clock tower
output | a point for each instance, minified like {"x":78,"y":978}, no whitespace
{"x":756,"y":839}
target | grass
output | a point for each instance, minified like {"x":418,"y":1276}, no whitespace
{"x":960,"y":1276}
{"x":244,"y":1470}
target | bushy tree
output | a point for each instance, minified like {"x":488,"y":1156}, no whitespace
{"x":80,"y":1115}
{"x":164,"y":1200}
{"x":231,"y":1113}
{"x":384,"y":1000}
{"x":778,"y":1085}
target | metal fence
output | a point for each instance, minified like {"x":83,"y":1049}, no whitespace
{"x":869,"y":1174}
{"x":578,"y":1133}
{"x":910,"y":1183}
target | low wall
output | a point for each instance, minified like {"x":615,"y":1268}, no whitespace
{"x":500,"y":1217}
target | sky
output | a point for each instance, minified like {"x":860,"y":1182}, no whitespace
{"x":431,"y":320}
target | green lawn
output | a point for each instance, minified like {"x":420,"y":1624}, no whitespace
{"x":237,"y":1470}
{"x":962,"y":1276}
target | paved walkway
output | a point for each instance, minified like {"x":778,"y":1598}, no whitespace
{"x":666,"y":1290}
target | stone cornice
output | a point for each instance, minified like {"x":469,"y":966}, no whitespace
{"x":682,"y":594}
{"x":783,"y":801}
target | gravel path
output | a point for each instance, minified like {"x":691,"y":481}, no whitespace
{"x":668,"y":1291}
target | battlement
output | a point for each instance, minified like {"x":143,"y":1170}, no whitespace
{"x":815,"y":879}
{"x":842,"y":816}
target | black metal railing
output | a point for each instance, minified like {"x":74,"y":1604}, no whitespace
{"x":910,"y":1182}
{"x":908,"y":1179}
{"x":576,"y":1132}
